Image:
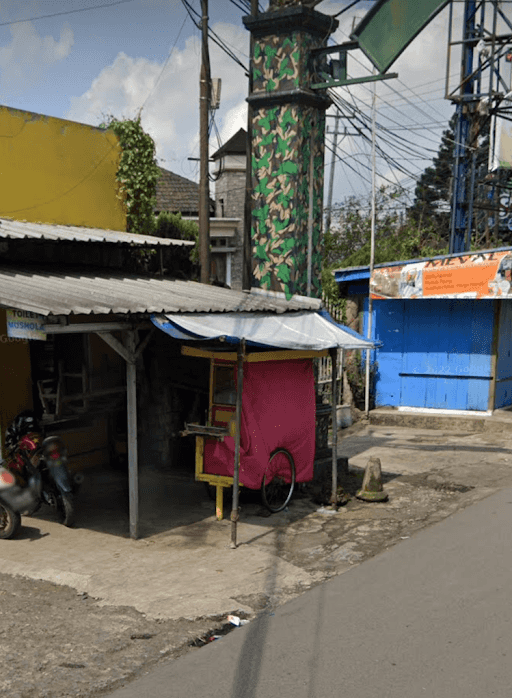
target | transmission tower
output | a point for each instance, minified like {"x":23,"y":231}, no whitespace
{"x":481,"y":95}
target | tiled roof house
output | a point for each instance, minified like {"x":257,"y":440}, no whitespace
{"x":178,"y":194}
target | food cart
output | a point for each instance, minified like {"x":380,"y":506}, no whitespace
{"x":260,"y":427}
{"x":277,"y":426}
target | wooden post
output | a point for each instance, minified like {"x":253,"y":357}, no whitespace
{"x":219,"y":502}
{"x":238,"y":424}
{"x":204,"y":188}
{"x":131,"y":409}
{"x":130,"y":353}
{"x":334,"y":492}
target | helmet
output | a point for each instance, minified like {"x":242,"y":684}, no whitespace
{"x":24,"y":423}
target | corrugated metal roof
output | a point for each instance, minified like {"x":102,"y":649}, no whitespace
{"x":45,"y":231}
{"x":51,"y":293}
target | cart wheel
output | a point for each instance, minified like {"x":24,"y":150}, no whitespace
{"x":278,"y":480}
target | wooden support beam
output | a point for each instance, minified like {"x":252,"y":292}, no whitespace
{"x":127,"y":354}
{"x":85,"y":327}
{"x":144,"y":343}
{"x":133,"y":466}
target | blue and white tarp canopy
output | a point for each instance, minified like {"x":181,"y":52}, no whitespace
{"x":304,"y":330}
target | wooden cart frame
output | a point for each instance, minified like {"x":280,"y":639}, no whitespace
{"x":230,"y":425}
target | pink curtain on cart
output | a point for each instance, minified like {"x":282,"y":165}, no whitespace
{"x":278,"y":411}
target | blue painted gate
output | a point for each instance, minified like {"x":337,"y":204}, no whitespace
{"x":435,"y":353}
{"x":504,"y":360}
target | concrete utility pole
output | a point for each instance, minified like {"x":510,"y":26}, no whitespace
{"x":331,"y":173}
{"x":204,"y":188}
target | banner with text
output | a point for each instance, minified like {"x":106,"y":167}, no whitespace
{"x":478,"y":275}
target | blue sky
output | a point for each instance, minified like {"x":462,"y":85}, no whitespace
{"x":113,"y":60}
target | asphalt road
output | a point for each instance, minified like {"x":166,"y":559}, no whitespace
{"x":430,"y":617}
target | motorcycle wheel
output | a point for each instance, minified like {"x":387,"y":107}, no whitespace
{"x":10,"y":521}
{"x":66,"y":508}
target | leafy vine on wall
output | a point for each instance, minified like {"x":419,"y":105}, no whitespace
{"x":137,"y":174}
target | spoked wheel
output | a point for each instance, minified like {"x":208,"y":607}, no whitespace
{"x":278,"y":480}
{"x":10,"y":521}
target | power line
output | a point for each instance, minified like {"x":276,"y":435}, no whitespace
{"x":67,"y":12}
{"x":212,"y":35}
{"x":391,"y":162}
{"x":164,"y":65}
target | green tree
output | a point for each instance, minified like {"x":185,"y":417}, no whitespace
{"x":171,"y":225}
{"x":397,"y":237}
{"x":431,"y":207}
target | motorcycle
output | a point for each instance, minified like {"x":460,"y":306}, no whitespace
{"x":15,"y":499}
{"x":32,"y":456}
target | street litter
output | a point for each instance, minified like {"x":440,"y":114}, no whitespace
{"x":236,"y":620}
{"x":324,"y":510}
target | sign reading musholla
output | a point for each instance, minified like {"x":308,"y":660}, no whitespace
{"x":478,"y":275}
{"x":24,"y":324}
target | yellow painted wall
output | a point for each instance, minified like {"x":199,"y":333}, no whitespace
{"x":15,"y":381}
{"x":57,"y":171}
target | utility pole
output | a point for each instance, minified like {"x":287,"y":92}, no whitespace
{"x":331,"y":172}
{"x":204,"y":185}
{"x":247,"y":241}
{"x":372,"y":249}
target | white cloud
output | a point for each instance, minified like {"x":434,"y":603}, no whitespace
{"x":171,"y":113}
{"x":413,"y":101}
{"x":24,"y":60}
{"x":171,"y":98}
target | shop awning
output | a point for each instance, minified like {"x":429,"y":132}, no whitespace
{"x":306,"y":330}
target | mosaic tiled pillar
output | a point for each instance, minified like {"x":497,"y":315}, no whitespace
{"x":288,"y":128}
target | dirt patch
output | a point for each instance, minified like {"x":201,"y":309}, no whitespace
{"x":56,"y":643}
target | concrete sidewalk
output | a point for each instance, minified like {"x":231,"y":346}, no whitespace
{"x":431,"y":617}
{"x":183,"y":566}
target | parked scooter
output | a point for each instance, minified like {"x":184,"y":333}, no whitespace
{"x":29,"y":454}
{"x":14,"y":500}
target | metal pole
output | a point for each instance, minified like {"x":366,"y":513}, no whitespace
{"x":331,"y":172}
{"x":131,"y":409}
{"x":238,"y":424}
{"x":461,"y":195}
{"x":372,"y":252}
{"x":334,"y":492}
{"x":310,"y":212}
{"x":204,"y":188}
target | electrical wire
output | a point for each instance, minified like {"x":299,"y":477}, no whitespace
{"x":196,"y":17}
{"x":390,"y":87}
{"x":164,"y":66}
{"x":393,"y":164}
{"x":67,"y":12}
{"x":239,"y":7}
